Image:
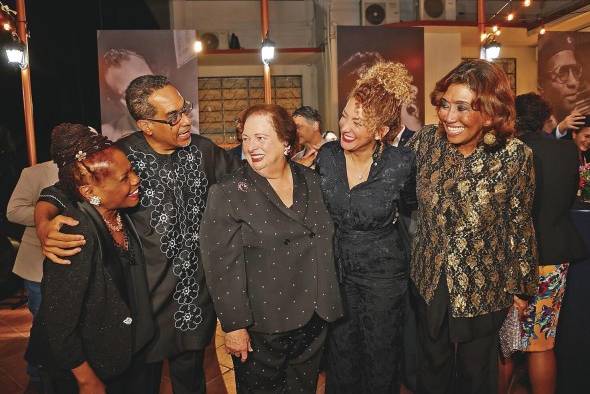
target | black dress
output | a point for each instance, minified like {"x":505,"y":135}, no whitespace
{"x":364,"y":348}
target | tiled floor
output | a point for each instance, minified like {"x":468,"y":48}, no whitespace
{"x":14,"y":334}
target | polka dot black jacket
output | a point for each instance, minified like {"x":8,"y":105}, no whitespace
{"x":269,"y":267}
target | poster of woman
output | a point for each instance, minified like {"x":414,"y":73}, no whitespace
{"x":359,"y":47}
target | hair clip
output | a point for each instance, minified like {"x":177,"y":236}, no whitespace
{"x":81,"y":155}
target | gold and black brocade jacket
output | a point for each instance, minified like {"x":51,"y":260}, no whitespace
{"x":474,"y":221}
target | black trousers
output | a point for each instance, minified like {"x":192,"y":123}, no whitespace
{"x":455,"y":355}
{"x":365,"y":347}
{"x":137,"y":379}
{"x":283,"y":363}
{"x":186,"y":373}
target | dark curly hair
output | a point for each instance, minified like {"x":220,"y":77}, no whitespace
{"x":82,"y":155}
{"x":281,"y":120}
{"x":532,"y":111}
{"x":139,"y":91}
{"x":493,"y":96}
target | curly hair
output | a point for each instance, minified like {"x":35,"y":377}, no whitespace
{"x":380,"y":91}
{"x":82,"y":156}
{"x":139,"y":91}
{"x":532,"y":111}
{"x":493,"y":96}
{"x":281,"y":120}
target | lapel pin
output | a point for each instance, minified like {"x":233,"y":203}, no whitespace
{"x":242,"y":186}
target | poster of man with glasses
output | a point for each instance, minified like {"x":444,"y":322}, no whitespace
{"x":124,"y":55}
{"x":564,"y":78}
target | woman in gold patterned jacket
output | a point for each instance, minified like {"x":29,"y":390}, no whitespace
{"x":474,"y":251}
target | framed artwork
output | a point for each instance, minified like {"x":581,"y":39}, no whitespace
{"x":508,"y":64}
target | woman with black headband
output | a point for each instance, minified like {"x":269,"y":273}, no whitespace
{"x":95,"y":317}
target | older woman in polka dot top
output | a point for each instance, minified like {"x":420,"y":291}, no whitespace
{"x":266,"y":240}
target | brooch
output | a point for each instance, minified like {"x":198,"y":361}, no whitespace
{"x":242,"y":186}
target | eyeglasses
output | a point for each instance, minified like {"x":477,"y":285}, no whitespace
{"x":175,"y":117}
{"x":561,"y":74}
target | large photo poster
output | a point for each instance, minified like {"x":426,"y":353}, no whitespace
{"x":359,"y":47}
{"x":564,"y":73}
{"x":123,"y":55}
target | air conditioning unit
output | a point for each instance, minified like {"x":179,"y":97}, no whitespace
{"x":442,"y":10}
{"x":375,"y":13}
{"x":214,"y":40}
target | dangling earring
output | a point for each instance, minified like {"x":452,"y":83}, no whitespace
{"x":94,"y":200}
{"x":489,"y":138}
{"x":287,"y":150}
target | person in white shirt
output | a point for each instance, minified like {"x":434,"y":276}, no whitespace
{"x":29,"y":259}
{"x":308,"y":121}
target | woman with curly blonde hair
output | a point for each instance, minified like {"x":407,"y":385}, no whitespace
{"x":365,"y":183}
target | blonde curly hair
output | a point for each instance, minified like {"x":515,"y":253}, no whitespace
{"x":381,"y":91}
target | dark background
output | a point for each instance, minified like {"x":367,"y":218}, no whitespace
{"x":64,"y":74}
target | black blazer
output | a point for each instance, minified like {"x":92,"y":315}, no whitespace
{"x":269,"y":267}
{"x":85,"y":313}
{"x":556,"y":176}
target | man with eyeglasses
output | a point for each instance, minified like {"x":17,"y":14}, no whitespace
{"x":560,"y":82}
{"x":176,"y":169}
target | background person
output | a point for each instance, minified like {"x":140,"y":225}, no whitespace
{"x":236,"y":151}
{"x":309,"y":135}
{"x":581,"y":138}
{"x":95,"y":319}
{"x":474,"y":252}
{"x":558,"y":242}
{"x":267,"y":252}
{"x":29,"y":259}
{"x":366,"y":183}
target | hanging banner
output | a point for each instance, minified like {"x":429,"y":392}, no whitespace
{"x":124,"y":55}
{"x":359,"y":47}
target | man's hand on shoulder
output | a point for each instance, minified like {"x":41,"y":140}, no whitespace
{"x":57,"y":245}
